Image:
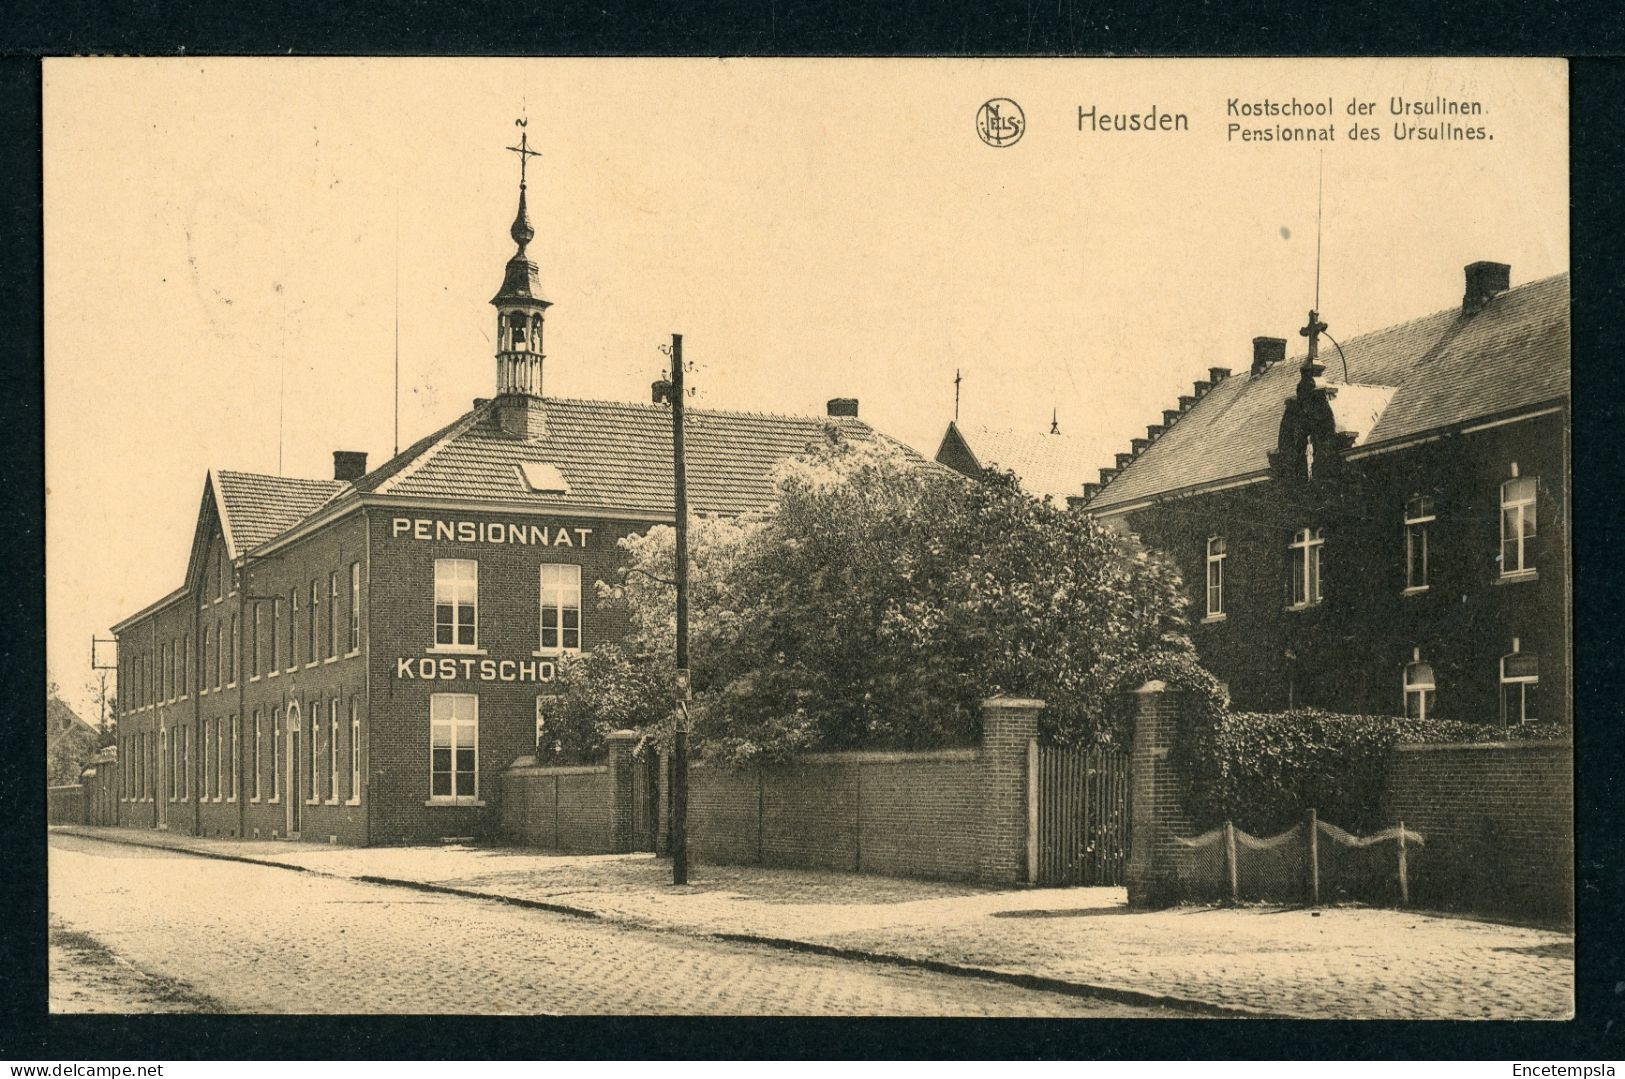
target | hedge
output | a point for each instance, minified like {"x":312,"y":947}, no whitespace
{"x":1265,"y":770}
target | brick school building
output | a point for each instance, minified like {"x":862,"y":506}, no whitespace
{"x":1381,"y":527}
{"x":355,"y":659}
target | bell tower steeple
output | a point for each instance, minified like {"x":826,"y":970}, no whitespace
{"x":520,"y":306}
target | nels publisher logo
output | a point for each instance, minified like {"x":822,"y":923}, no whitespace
{"x":1000,"y":122}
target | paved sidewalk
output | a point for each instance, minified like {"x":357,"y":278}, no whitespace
{"x":1340,"y":962}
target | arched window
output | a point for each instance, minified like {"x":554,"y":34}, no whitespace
{"x":536,"y":333}
{"x":516,"y":330}
{"x":1419,"y":688}
{"x":1520,"y":674}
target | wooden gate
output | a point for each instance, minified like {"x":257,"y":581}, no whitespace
{"x":1083,"y":816}
{"x":645,"y":800}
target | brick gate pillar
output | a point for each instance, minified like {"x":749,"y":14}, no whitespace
{"x":1009,"y":725}
{"x":1156,"y":791}
{"x":621,"y":789}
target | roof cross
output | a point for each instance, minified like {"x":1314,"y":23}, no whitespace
{"x":523,"y":150}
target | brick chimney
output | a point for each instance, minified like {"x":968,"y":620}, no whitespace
{"x":1484,"y":280}
{"x":842,"y":406}
{"x":349,"y":464}
{"x":1267,"y":350}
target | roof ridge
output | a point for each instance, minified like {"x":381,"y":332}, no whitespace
{"x":420,"y":452}
{"x":732,"y":412}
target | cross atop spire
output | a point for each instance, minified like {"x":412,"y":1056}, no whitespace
{"x":521,"y":232}
{"x":523,"y":150}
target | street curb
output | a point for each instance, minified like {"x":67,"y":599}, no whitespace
{"x":938,"y":966}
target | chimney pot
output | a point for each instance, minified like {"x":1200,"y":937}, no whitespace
{"x":1137,"y":446}
{"x":1185,"y":403}
{"x":1484,"y":281}
{"x":1267,"y":350}
{"x":1123,"y":460}
{"x":1090,"y":490}
{"x":1199,"y":389}
{"x":1153,"y":431}
{"x":1217,"y":375}
{"x":842,"y":406}
{"x":1106,"y":475}
{"x":1169,"y":416}
{"x":349,"y":464}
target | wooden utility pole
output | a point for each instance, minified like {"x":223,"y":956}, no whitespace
{"x":1313,"y":825}
{"x":672,"y":390}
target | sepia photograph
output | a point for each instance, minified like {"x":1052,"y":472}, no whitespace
{"x":1054,"y":538}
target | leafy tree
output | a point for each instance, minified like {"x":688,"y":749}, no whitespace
{"x":877,"y":608}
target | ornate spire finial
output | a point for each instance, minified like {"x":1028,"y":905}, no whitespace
{"x":522,"y":232}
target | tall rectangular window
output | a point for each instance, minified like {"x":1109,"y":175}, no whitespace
{"x":315,"y":727}
{"x":276,"y":642}
{"x":186,"y":660}
{"x":355,"y":607}
{"x":236,"y":756}
{"x":456,"y":603}
{"x":1517,"y":524}
{"x":219,"y":653}
{"x":166,"y":747}
{"x":276,"y":754}
{"x":311,"y":653}
{"x":186,"y":763}
{"x":561,"y":607}
{"x":1215,"y":577}
{"x":220,"y":574}
{"x":454,"y":732}
{"x":1419,"y":519}
{"x":1305,"y":567}
{"x":355,"y":751}
{"x":333,"y":750}
{"x":231,"y":650}
{"x":203,"y":660}
{"x":293,"y":621}
{"x":255,"y":756}
{"x":221,"y":759}
{"x":254,"y":646}
{"x":333,"y":614}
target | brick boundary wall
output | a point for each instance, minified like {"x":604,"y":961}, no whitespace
{"x":65,"y":804}
{"x":955,"y":814}
{"x":1498,"y":825}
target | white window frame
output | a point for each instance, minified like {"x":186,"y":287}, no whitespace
{"x":258,"y":737}
{"x":1524,"y":508}
{"x":276,"y":756}
{"x":559,"y":590}
{"x":1523,"y":681}
{"x":1426,"y":692}
{"x":355,"y":608}
{"x":333,"y":751}
{"x":1306,"y":567}
{"x":1217,"y":552}
{"x":314,"y":728}
{"x":451,"y":575}
{"x":355,"y":753}
{"x":442,"y":714}
{"x":236,"y":757}
{"x":1419,"y":514}
{"x":333,"y":615}
{"x":313,"y":628}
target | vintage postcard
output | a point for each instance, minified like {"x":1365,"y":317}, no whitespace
{"x":821,"y":537}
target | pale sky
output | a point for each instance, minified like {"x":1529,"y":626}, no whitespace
{"x":222,"y":240}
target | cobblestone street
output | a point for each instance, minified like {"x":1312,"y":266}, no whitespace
{"x":1336,"y":962}
{"x":257,"y":939}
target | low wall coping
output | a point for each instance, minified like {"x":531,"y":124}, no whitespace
{"x":860,"y":756}
{"x":622,"y":736}
{"x":65,"y":787}
{"x":1426,"y":747}
{"x":1013,"y":702}
{"x":558,"y":770}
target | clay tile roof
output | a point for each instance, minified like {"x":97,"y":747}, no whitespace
{"x":1445,"y":370}
{"x":1046,"y":464}
{"x":612,"y":454}
{"x":258,"y":508}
